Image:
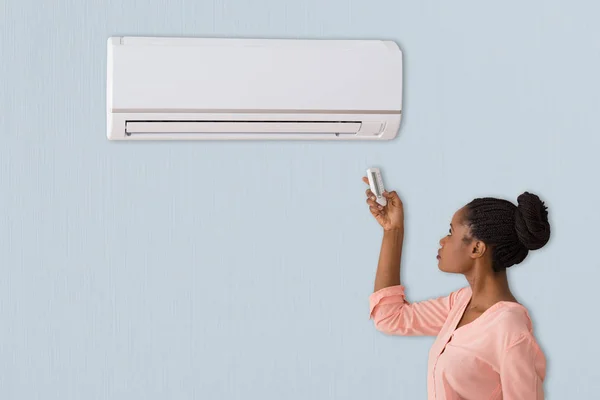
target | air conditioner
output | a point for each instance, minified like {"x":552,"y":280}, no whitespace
{"x":251,"y":89}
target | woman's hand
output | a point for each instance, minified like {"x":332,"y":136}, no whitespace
{"x":390,"y":216}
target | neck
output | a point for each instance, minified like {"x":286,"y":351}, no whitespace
{"x":488,"y":287}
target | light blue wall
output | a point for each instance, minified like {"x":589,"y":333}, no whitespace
{"x":242,"y":270}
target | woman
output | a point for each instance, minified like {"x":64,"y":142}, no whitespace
{"x":485,"y":346}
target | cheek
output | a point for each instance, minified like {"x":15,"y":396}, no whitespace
{"x":453,"y":258}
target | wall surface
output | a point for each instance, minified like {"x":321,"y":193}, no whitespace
{"x":230,"y":270}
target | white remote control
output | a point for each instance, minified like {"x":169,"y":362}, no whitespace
{"x":376,"y":183}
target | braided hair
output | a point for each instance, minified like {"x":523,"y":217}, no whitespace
{"x":511,"y":231}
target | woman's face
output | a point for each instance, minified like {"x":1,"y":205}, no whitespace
{"x":458,"y":247}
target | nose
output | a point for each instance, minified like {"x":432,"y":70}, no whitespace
{"x":442,"y":240}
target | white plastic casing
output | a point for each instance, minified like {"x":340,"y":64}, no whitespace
{"x":219,"y":89}
{"x":376,"y":184}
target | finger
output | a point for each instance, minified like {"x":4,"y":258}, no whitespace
{"x":365,"y":180}
{"x":372,"y":202}
{"x":375,"y":205}
{"x":375,"y":211}
{"x":369,"y":193}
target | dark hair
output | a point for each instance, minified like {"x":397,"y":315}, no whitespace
{"x":510,"y":230}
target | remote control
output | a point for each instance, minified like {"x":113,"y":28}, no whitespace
{"x":376,"y":183}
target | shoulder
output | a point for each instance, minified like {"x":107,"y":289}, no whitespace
{"x":509,"y":332}
{"x":516,"y":339}
{"x":510,"y":323}
{"x":513,"y":317}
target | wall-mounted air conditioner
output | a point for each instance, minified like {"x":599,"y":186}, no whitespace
{"x":249,"y":89}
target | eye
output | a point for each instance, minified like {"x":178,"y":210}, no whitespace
{"x":449,"y":232}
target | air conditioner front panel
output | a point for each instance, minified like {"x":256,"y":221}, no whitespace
{"x":321,"y":76}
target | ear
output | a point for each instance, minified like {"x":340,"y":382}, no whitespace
{"x":478,"y":249}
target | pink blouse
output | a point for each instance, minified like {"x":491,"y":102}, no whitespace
{"x":494,"y":357}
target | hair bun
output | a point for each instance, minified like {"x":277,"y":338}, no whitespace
{"x":531,"y":221}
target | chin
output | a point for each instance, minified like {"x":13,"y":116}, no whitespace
{"x":443,"y":268}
